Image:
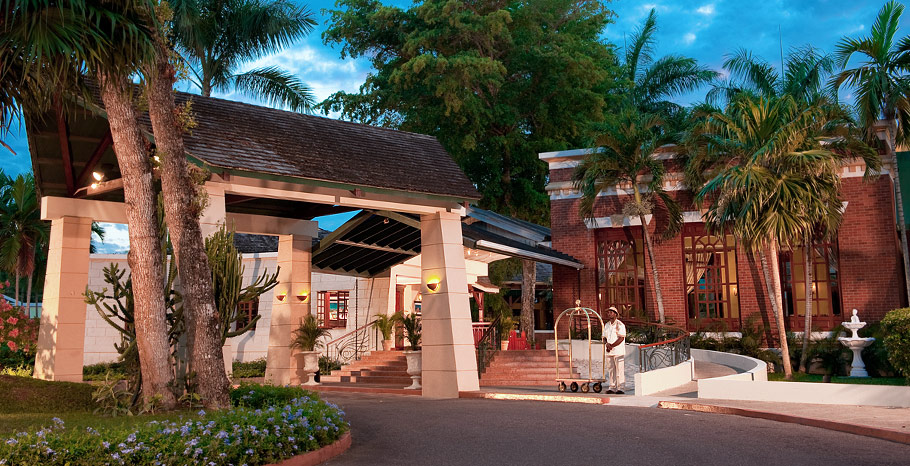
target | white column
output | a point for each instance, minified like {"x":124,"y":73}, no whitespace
{"x":61,"y":338}
{"x":294,"y":262}
{"x":449,"y":361}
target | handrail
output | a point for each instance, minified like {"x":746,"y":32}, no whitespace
{"x":666,"y":351}
{"x":353,"y":345}
{"x":488,"y":345}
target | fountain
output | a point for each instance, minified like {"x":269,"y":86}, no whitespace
{"x":856,"y":344}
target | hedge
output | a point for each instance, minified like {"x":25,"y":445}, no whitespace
{"x":896,"y":326}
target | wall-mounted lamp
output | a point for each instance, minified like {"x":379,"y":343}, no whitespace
{"x":97,"y":177}
{"x":433,"y":284}
{"x":303,"y":296}
{"x":734,"y":290}
{"x":282,"y":295}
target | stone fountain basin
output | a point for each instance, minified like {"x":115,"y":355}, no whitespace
{"x":856,"y":342}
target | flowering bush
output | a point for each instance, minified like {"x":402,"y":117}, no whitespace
{"x":18,"y":333}
{"x":242,"y":435}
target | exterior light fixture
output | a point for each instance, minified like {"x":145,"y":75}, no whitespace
{"x":433,"y":284}
{"x":97,"y":176}
{"x":303,"y":296}
{"x":282,"y":295}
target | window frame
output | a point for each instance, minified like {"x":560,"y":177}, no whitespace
{"x":640,"y":289}
{"x":244,"y":316}
{"x":789,"y":285}
{"x":324,"y":308}
{"x":727,"y":287}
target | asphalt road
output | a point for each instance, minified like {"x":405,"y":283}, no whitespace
{"x":396,"y":430}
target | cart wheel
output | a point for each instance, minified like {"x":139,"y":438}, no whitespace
{"x":585,"y":388}
{"x":561,"y":387}
{"x":597,"y":387}
{"x":574,"y":387}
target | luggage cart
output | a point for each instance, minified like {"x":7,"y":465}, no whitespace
{"x":584,"y":384}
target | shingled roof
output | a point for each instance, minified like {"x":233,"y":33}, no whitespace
{"x":239,"y":136}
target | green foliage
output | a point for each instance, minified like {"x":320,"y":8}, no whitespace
{"x":495,"y":82}
{"x":818,"y":378}
{"x":104,"y":371}
{"x":275,"y":423}
{"x":327,"y":365}
{"x":896,"y":326}
{"x":412,"y":328}
{"x":18,"y":371}
{"x":248,"y":369}
{"x":28,"y":395}
{"x":18,"y":336}
{"x":307,"y":334}
{"x":385,"y":324}
{"x":506,"y":326}
{"x":829,"y":352}
{"x":22,"y":232}
{"x":227,"y":267}
{"x":876,"y":355}
{"x":749,"y":344}
{"x":112,"y":398}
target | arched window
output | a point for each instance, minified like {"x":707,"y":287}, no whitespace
{"x":709,"y":263}
{"x":620,"y":272}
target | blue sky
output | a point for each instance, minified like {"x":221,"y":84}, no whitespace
{"x":705,"y":30}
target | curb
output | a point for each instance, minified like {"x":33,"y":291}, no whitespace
{"x":373,"y":390}
{"x":312,"y":458}
{"x":866,"y":431}
{"x":530,"y":397}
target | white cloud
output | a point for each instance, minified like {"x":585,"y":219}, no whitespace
{"x":689,"y":38}
{"x":116,"y":238}
{"x":706,"y":10}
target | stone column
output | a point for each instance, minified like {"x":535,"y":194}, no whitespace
{"x":449,"y":361}
{"x":210,"y":222}
{"x":294,"y":262}
{"x":61,"y":338}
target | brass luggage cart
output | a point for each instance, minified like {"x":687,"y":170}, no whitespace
{"x":589,"y":383}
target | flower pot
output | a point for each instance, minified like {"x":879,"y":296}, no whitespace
{"x":415,"y":368}
{"x":504,"y":344}
{"x":387,"y":345}
{"x":307,"y":366}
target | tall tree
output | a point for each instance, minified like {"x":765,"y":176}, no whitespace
{"x":624,"y":155}
{"x":216,"y":37}
{"x":22,"y":232}
{"x":881,"y":87}
{"x":780,"y":179}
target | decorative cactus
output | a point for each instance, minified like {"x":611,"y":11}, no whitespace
{"x":227,"y":278}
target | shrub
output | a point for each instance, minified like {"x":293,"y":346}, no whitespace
{"x":241,"y":435}
{"x":307,"y":334}
{"x":896,"y":326}
{"x":327,"y":365}
{"x":104,"y":371}
{"x":18,"y":336}
{"x":876,"y":355}
{"x":242,"y":370}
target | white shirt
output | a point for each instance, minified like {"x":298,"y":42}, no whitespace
{"x":612,"y":332}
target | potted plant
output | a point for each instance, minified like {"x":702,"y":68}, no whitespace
{"x":385,"y":324}
{"x":506,"y":326}
{"x":306,"y":339}
{"x":412,"y":329}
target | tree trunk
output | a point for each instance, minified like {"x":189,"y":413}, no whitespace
{"x":898,"y":199}
{"x":16,"y":297}
{"x":771,"y":271}
{"x":654,"y":275}
{"x":809,"y":267}
{"x":182,"y":215}
{"x":145,"y":256}
{"x":28,"y":296}
{"x":528,"y":293}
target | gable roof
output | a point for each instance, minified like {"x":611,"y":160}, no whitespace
{"x":238,"y":136}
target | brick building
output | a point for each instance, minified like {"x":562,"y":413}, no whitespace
{"x":710,"y":282}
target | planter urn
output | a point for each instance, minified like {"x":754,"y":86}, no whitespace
{"x":387,"y":345}
{"x":414,"y":368}
{"x":504,"y":344}
{"x":308,"y":366}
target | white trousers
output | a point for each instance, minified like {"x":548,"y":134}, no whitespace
{"x":616,"y":369}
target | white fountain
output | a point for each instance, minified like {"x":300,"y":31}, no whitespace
{"x":856,"y":344}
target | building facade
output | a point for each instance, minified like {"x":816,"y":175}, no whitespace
{"x":711,"y":282}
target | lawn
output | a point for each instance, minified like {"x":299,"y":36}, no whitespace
{"x":800,"y":377}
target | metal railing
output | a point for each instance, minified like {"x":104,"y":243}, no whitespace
{"x":353,"y":345}
{"x":659,"y":345}
{"x":488,"y":345}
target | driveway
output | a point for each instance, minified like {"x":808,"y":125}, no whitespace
{"x":399,"y":430}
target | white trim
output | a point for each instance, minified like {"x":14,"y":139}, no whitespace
{"x":607,"y":222}
{"x":692,"y":216}
{"x":566,"y":164}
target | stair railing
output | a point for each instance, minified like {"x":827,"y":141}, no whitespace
{"x":352,"y":346}
{"x":488,"y":345}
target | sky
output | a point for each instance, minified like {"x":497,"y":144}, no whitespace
{"x":704,"y":30}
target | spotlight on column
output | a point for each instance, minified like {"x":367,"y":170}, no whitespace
{"x":303,"y":296}
{"x":282,"y":295}
{"x":433,"y":284}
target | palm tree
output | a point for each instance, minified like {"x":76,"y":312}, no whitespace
{"x":881,"y":87}
{"x":653,"y":82}
{"x":22,"y":232}
{"x":623,"y":155}
{"x":216,"y":37}
{"x":779,"y":180}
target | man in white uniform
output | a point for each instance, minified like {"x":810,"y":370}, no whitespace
{"x":614,"y":336}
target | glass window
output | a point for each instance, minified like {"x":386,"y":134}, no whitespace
{"x":621,"y":273}
{"x":246,"y":311}
{"x":711,"y":281}
{"x":332,"y":308}
{"x":826,"y":296}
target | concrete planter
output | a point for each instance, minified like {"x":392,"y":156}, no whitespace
{"x":387,"y":345}
{"x":415,"y":368}
{"x":308,"y":366}
{"x":504,"y":345}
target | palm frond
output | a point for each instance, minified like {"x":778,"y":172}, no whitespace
{"x":278,"y":87}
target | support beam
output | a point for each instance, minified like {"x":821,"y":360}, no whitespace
{"x":377,"y":247}
{"x":66,"y":149}
{"x":102,"y":147}
{"x":61,"y":337}
{"x":294,"y":277}
{"x":449,"y":363}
